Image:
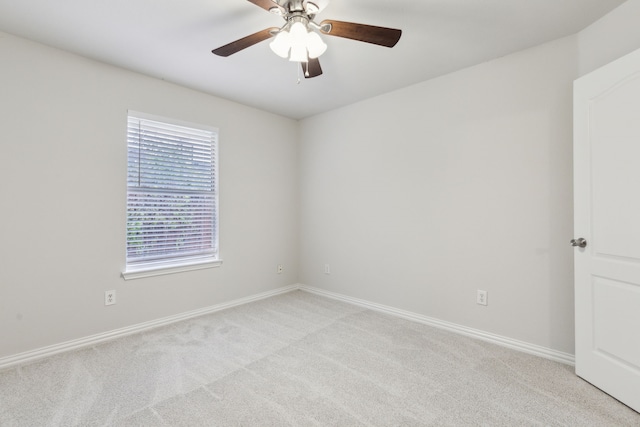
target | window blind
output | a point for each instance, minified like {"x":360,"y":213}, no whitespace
{"x":171,"y":193}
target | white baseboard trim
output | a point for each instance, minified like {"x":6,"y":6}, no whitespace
{"x":40,"y":353}
{"x":525,"y":347}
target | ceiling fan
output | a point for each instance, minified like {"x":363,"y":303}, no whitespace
{"x":298,"y":39}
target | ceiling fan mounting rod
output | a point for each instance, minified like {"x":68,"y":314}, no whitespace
{"x":295,"y":6}
{"x":286,"y":8}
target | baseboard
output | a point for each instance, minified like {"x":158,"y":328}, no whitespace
{"x":40,"y":353}
{"x":525,"y":347}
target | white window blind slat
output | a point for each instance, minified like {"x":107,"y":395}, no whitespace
{"x":171,"y":192}
{"x":169,"y":129}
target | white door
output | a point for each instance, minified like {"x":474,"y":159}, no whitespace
{"x":607,"y":216}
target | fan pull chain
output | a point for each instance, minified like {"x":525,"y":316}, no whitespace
{"x":298,"y":68}
{"x":306,"y":72}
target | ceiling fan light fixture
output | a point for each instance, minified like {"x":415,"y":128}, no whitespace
{"x":298,"y":44}
{"x":315,"y":45}
{"x":281,"y":44}
{"x":298,"y":53}
{"x":298,"y":31}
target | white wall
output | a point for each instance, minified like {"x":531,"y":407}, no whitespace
{"x":422,"y":196}
{"x":63,"y":189}
{"x":419,"y":197}
{"x":416,"y":198}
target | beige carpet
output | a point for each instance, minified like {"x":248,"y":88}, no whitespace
{"x":301,"y":360}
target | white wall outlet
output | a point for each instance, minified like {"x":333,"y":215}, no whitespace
{"x":327,"y":269}
{"x":280,"y":269}
{"x":109,"y":297}
{"x":481,"y":298}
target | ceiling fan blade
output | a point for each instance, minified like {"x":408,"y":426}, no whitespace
{"x":381,"y":36}
{"x":265,"y":4}
{"x":312,"y":67}
{"x":245,"y":42}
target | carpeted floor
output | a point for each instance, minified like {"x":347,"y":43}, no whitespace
{"x":301,"y":360}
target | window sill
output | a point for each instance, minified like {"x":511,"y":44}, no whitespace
{"x":143,"y":272}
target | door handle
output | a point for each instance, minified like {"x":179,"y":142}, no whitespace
{"x":581,"y":243}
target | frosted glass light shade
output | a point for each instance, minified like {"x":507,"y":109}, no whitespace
{"x":281,"y":44}
{"x":298,"y":44}
{"x":298,"y":32}
{"x":315,"y":45}
{"x":298,"y":39}
{"x":298,"y":53}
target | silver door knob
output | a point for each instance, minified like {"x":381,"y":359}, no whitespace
{"x":581,"y":243}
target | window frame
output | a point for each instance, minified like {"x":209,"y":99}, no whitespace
{"x":179,"y":263}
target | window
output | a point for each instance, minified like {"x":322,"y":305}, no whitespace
{"x":172,"y":200}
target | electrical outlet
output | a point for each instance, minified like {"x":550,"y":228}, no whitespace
{"x":280,"y":269}
{"x":327,"y":269}
{"x":481,"y":298}
{"x":109,"y":297}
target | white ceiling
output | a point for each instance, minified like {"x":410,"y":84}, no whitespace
{"x":173,"y":39}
